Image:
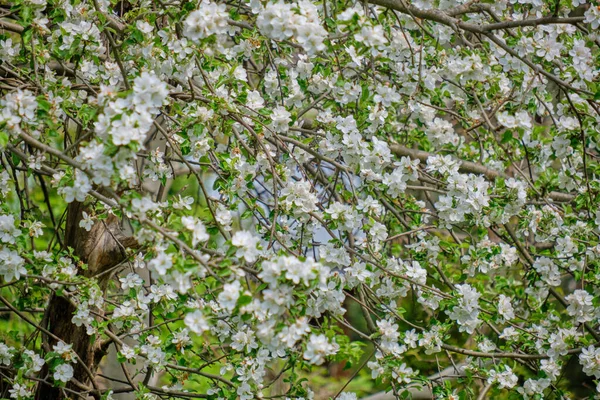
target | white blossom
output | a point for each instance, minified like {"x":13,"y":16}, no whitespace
{"x":209,"y":19}
{"x":63,"y":373}
{"x":196,"y":322}
{"x":319,"y":347}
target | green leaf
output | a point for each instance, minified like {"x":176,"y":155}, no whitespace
{"x":244,"y":300}
{"x":3,"y":139}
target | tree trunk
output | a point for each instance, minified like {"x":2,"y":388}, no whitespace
{"x":100,"y":249}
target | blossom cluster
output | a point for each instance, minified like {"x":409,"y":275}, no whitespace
{"x":237,"y":197}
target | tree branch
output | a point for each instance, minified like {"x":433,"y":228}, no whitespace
{"x":471,"y":167}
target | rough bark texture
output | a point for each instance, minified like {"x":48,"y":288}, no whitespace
{"x":100,"y":249}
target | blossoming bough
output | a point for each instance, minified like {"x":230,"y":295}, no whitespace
{"x":233,"y":197}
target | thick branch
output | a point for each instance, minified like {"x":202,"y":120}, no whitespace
{"x":470,"y":167}
{"x":12,"y":27}
{"x":532,"y":22}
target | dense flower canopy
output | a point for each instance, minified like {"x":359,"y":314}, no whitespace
{"x":236,"y":197}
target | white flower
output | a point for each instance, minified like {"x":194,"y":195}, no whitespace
{"x":181,"y":339}
{"x":432,"y":340}
{"x":144,"y":26}
{"x":486,"y":345}
{"x":275,"y":21}
{"x":290,"y":335}
{"x":65,"y":351}
{"x":198,"y":229}
{"x":35,"y":362}
{"x":35,"y":228}
{"x":592,"y":16}
{"x":196,"y":322}
{"x":415,"y":272}
{"x":229,"y":296}
{"x":506,"y":379}
{"x":5,"y":354}
{"x":131,"y":281}
{"x":403,"y":374}
{"x":299,"y":195}
{"x":389,"y":337}
{"x":533,"y":387}
{"x":278,"y":21}
{"x":246,"y":243}
{"x":35,"y":161}
{"x":208,"y":19}
{"x":86,"y":221}
{"x":254,"y":100}
{"x":580,"y":306}
{"x":244,"y":339}
{"x":8,"y":231}
{"x":240,"y":73}
{"x":155,"y":357}
{"x":357,"y":272}
{"x":551,"y":368}
{"x":183,"y":203}
{"x":18,"y":107}
{"x":466,"y":313}
{"x":224,"y":217}
{"x":9,"y":50}
{"x":281,"y":119}
{"x":396,"y":182}
{"x":161,"y":263}
{"x":548,"y":270}
{"x":11,"y":264}
{"x":442,"y":164}
{"x":127,"y":352}
{"x":310,"y":35}
{"x":81,"y":187}
{"x":143,"y":205}
{"x":334,"y":255}
{"x":411,"y":338}
{"x":348,"y":93}
{"x":63,"y":373}
{"x":505,"y":308}
{"x":440,"y":132}
{"x":372,"y":36}
{"x":19,"y":391}
{"x":590,"y":360}
{"x":149,"y":92}
{"x":318,"y":348}
{"x":386,"y":95}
